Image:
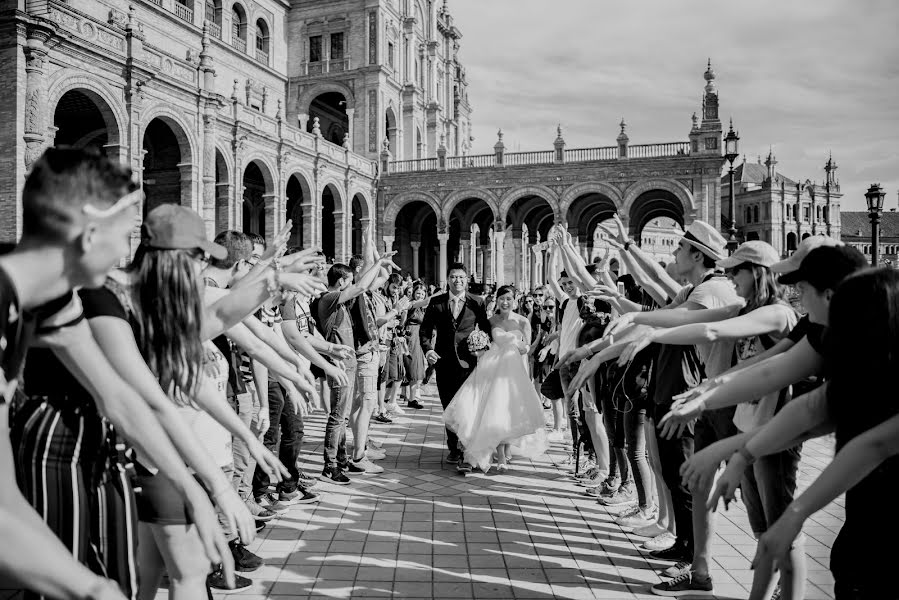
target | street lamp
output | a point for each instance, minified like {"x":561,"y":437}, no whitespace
{"x":874,"y":196}
{"x":731,"y":152}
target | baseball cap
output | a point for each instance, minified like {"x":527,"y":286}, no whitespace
{"x":826,"y":266}
{"x":807,"y":245}
{"x":756,"y":252}
{"x":175,"y":227}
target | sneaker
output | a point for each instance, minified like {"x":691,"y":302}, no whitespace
{"x":270,"y":501}
{"x":677,"y":552}
{"x":415,"y":404}
{"x":382,"y":418}
{"x":366,"y":465}
{"x":375,"y":443}
{"x":260,"y":525}
{"x":394,"y":409}
{"x":662,"y":541}
{"x":777,"y":594}
{"x":609,"y":487}
{"x":464,"y":467}
{"x":216,"y":581}
{"x":335,"y":476}
{"x":590,"y":473}
{"x":306,"y":480}
{"x":374,"y":454}
{"x":641,"y":518}
{"x":244,"y":560}
{"x":677,"y":569}
{"x":650,"y":531}
{"x":454,"y":458}
{"x":298,"y":496}
{"x":260,"y":513}
{"x":684,"y":585}
{"x":354,"y":468}
{"x":627,"y":512}
{"x":626,"y":494}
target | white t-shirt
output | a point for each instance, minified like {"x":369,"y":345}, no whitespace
{"x":715,"y":292}
{"x":571,"y":326}
{"x":214,"y":379}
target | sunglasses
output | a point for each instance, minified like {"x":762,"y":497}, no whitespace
{"x":201,"y":256}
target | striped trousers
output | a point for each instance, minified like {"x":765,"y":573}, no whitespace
{"x":66,"y":468}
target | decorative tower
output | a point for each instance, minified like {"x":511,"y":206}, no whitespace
{"x":710,"y":130}
{"x":770,"y":163}
{"x":832,"y":195}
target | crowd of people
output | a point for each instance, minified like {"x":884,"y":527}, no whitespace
{"x":153,"y":415}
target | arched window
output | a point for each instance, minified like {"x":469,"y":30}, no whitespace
{"x":796,"y":212}
{"x":214,"y":17}
{"x":824,"y":212}
{"x":755,"y":214}
{"x":239,"y":28}
{"x":748,"y":217}
{"x":262,"y":41}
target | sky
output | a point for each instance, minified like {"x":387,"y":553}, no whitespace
{"x":803,"y":77}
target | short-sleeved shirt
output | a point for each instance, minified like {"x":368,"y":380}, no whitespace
{"x":335,"y":320}
{"x":297,"y":309}
{"x":236,"y":382}
{"x":714,"y":292}
{"x":806,"y":329}
{"x":571,"y":324}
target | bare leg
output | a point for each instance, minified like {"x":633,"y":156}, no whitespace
{"x":150,"y":563}
{"x":185,"y":560}
{"x":665,"y":511}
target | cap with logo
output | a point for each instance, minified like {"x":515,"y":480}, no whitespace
{"x":175,"y":227}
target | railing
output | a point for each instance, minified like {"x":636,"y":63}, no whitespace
{"x":658,"y":150}
{"x":262,"y":56}
{"x":239,"y":43}
{"x":157,"y":2}
{"x":320,"y":67}
{"x":184,"y":13}
{"x":542,"y":157}
{"x":591,"y":154}
{"x":471,"y":162}
{"x":412,"y":166}
{"x":215,"y":30}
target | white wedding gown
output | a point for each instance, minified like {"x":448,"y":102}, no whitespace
{"x":497,"y":404}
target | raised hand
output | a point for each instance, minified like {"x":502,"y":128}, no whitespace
{"x":279,"y":244}
{"x":303,"y":283}
{"x":620,"y":323}
{"x":341,"y":351}
{"x":302,"y":261}
{"x":339,"y":376}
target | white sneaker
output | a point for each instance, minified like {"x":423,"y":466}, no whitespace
{"x":370,"y":467}
{"x":375,"y":454}
{"x":638,"y":519}
{"x":376,"y":443}
{"x":663,"y":541}
{"x":650,"y":531}
{"x":394,"y":409}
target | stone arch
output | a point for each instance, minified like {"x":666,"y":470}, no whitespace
{"x":267,"y":170}
{"x":339,"y":193}
{"x":458,"y":196}
{"x":258,"y":203}
{"x":589,"y":187}
{"x":223,"y":182}
{"x":367,"y":207}
{"x":181,"y":128}
{"x":392,"y":210}
{"x":306,"y":98}
{"x":674,"y":187}
{"x":108,"y":102}
{"x":297,"y":196}
{"x":514,"y":194}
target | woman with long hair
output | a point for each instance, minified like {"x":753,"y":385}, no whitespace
{"x":417,"y":366}
{"x":497,"y":410}
{"x":765,"y":319}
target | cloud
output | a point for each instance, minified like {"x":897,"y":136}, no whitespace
{"x":807,"y":78}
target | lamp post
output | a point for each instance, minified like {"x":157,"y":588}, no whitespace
{"x":731,"y":152}
{"x":874,"y":196}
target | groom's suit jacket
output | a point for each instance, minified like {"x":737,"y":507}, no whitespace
{"x":452,"y":334}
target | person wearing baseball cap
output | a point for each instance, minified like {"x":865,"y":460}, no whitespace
{"x":176,"y":227}
{"x":807,"y":245}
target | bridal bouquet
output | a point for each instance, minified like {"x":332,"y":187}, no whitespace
{"x":477,"y":341}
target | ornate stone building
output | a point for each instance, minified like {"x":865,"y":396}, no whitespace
{"x":249,"y":111}
{"x":776,"y":209}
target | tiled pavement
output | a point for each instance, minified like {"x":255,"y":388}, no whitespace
{"x":422,"y":531}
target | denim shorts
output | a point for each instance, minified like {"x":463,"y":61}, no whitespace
{"x":768,"y":487}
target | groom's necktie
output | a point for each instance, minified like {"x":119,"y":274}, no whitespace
{"x":457,"y":307}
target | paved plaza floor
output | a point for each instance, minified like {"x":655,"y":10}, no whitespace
{"x":422,"y":531}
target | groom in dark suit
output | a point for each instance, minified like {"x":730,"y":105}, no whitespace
{"x":453,"y":317}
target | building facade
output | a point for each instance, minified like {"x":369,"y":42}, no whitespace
{"x":857,"y":233}
{"x":776,"y":209}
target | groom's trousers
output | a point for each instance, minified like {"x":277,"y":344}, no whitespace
{"x":449,"y":381}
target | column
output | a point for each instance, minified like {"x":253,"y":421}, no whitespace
{"x":187,"y":187}
{"x":350,"y":114}
{"x":499,"y":238}
{"x":416,"y":246}
{"x":518,"y":274}
{"x":388,"y":242}
{"x":489,"y":261}
{"x":308,"y":222}
{"x":222,"y":215}
{"x":441,"y":267}
{"x":339,"y":237}
{"x":465,"y":251}
{"x":479,"y":262}
{"x":35,"y":95}
{"x":269,"y":203}
{"x":535,"y":257}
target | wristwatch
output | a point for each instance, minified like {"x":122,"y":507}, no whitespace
{"x":627,"y":245}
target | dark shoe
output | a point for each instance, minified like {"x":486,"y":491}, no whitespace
{"x":216,"y":580}
{"x":382,"y":418}
{"x":244,"y":560}
{"x":337,"y":477}
{"x":464,"y":467}
{"x":454,"y":458}
{"x":677,"y":569}
{"x":260,"y":525}
{"x":415,"y":404}
{"x":300,"y":496}
{"x":684,"y":585}
{"x":676,"y":553}
{"x":353,"y":468}
{"x":260,"y":513}
{"x":270,"y":501}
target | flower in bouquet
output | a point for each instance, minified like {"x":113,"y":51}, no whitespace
{"x":478,"y":340}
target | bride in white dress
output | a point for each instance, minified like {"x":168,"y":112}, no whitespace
{"x":497,"y":409}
